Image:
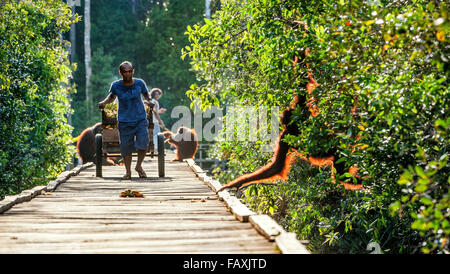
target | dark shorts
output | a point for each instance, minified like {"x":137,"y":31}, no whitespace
{"x":133,"y":136}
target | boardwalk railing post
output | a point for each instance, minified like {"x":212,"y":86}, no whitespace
{"x":160,"y":140}
{"x":99,"y":154}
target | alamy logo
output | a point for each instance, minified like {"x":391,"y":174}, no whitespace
{"x":374,"y":247}
{"x":74,"y":2}
{"x":231,"y":123}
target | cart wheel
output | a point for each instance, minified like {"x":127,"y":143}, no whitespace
{"x":160,"y":155}
{"x":99,"y":155}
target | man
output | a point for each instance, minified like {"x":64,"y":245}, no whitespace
{"x":132,"y":118}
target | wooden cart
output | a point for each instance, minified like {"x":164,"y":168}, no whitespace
{"x":107,"y":143}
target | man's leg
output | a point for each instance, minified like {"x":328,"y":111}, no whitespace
{"x":140,"y":159}
{"x":141,"y":143}
{"x":127,"y":161}
{"x":126,"y":135}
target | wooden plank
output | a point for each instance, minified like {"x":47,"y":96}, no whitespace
{"x":213,"y":184}
{"x":223,"y":195}
{"x":198,"y":170}
{"x":139,"y":247}
{"x":119,"y":221}
{"x":190,"y":162}
{"x":26,"y":195}
{"x":139,"y":240}
{"x":266,"y":226}
{"x":61,"y":227}
{"x":110,"y":135}
{"x":239,"y":210}
{"x":288,"y":244}
{"x":179,"y":214}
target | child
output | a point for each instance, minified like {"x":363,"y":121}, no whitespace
{"x":155,"y":94}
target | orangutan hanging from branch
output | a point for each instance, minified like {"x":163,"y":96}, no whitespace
{"x":283,"y":154}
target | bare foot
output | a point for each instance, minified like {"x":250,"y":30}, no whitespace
{"x":141,"y":172}
{"x":126,"y":177}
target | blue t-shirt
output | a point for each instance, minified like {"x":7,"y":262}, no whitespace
{"x":131,"y":108}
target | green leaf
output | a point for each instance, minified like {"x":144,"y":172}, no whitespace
{"x":443,"y":161}
{"x":438,"y":214}
{"x":426,"y":200}
{"x":421,"y":188}
{"x":420,"y":172}
{"x":394,"y":207}
{"x":440,"y":123}
{"x":208,"y":22}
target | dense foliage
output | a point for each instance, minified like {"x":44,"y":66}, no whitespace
{"x":34,"y":91}
{"x":151,"y":36}
{"x":390,"y":60}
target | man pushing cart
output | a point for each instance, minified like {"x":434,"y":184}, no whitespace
{"x":133,"y":123}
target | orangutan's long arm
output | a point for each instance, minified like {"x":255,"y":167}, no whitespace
{"x":267,"y":172}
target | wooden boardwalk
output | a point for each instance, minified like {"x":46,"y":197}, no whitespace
{"x":179,"y":214}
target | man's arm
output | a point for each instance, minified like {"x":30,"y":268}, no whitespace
{"x":109,"y":99}
{"x":147,"y":99}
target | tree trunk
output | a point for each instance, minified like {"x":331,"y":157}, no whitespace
{"x":87,"y":52}
{"x":208,"y":9}
{"x":73,"y":46}
{"x":73,"y":37}
{"x":133,"y":7}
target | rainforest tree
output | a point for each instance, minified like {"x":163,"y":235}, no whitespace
{"x":150,"y":34}
{"x":382,"y":69}
{"x":34,"y":90}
